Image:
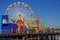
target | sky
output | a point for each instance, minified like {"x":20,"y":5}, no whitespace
{"x":48,"y":10}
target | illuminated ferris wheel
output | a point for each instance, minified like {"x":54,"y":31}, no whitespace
{"x":19,"y":9}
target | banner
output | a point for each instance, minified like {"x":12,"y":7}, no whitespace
{"x":44,"y":25}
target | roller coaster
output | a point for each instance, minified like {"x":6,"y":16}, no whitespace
{"x":19,"y":18}
{"x":20,"y":21}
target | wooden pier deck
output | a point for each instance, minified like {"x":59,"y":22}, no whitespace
{"x":31,"y":36}
{"x":47,"y":35}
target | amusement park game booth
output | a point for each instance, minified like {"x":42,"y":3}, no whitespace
{"x":5,"y":26}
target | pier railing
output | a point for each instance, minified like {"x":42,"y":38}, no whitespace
{"x":33,"y":35}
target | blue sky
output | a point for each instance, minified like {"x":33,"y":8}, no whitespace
{"x":48,"y":10}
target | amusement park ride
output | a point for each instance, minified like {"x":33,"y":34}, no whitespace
{"x":16,"y":21}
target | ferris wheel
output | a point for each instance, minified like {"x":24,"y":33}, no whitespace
{"x":19,"y":9}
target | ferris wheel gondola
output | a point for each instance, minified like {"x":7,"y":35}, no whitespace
{"x":18,"y":4}
{"x":15,"y":9}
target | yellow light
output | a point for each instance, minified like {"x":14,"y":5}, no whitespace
{"x":25,"y":18}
